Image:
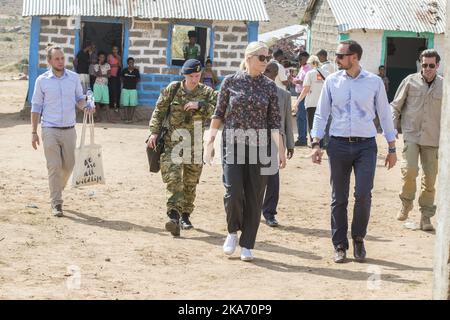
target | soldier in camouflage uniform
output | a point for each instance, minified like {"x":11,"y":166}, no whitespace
{"x":181,"y":162}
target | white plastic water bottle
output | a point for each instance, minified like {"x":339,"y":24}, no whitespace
{"x":90,"y":103}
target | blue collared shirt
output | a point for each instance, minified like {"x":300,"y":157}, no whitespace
{"x":56,"y":98}
{"x":352,"y":104}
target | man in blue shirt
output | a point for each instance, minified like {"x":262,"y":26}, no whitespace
{"x":57,"y":93}
{"x":352,"y":96}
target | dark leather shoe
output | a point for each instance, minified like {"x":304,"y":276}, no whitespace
{"x":359,"y":251}
{"x":272,"y":222}
{"x":300,"y":144}
{"x":57,"y":210}
{"x":185,"y":222}
{"x":340,"y":254}
{"x":173,"y":225}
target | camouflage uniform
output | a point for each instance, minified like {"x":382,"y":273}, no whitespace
{"x":182,"y":179}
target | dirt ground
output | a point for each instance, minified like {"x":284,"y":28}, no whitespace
{"x":112,"y":243}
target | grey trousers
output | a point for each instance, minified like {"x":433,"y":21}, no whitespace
{"x":59,"y":149}
{"x":243,"y":200}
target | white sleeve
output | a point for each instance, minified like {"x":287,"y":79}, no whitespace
{"x":282,"y":73}
{"x":309,"y":78}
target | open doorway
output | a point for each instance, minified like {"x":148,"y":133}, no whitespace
{"x":401,"y":57}
{"x":103,"y":35}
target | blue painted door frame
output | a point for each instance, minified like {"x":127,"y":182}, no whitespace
{"x":33,"y":61}
{"x":252,"y":31}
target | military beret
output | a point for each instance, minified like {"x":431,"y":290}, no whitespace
{"x":191,"y":66}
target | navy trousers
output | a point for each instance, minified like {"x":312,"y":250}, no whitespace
{"x":301,"y":123}
{"x":345,"y":156}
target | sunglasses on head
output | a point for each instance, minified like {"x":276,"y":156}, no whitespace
{"x":426,"y":65}
{"x":341,"y":56}
{"x":263,"y":58}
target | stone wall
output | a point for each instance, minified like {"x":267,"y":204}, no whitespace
{"x":148,"y":43}
{"x":57,"y":31}
{"x":229,"y":43}
{"x":324,"y":31}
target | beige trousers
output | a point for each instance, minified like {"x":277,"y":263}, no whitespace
{"x":59,"y":149}
{"x":410,"y":171}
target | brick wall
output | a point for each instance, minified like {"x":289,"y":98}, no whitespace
{"x":58,"y":31}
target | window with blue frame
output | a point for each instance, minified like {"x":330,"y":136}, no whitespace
{"x":189,"y":42}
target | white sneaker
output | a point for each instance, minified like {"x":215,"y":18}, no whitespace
{"x":246,"y":254}
{"x":230,"y":244}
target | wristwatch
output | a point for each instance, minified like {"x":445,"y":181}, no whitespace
{"x":393,"y":150}
{"x":315,"y":144}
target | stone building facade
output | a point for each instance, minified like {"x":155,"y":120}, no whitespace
{"x":385,"y":36}
{"x":148,"y":41}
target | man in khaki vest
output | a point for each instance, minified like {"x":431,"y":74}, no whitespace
{"x":418,"y":104}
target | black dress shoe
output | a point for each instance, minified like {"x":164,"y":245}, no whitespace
{"x":300,"y":144}
{"x":185,"y":222}
{"x":173,"y":225}
{"x":359,"y":251}
{"x":272,"y":222}
{"x":340,"y":254}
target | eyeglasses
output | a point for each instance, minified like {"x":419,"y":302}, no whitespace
{"x":341,"y":56}
{"x":263,"y":58}
{"x":426,"y":65}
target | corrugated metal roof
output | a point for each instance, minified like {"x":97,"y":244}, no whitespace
{"x":227,"y":10}
{"x":115,"y":8}
{"x":401,"y":15}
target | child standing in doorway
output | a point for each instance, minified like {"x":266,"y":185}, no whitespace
{"x":129,"y":97}
{"x":102,"y":71}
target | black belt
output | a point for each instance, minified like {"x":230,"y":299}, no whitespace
{"x":63,"y":128}
{"x":353,"y":139}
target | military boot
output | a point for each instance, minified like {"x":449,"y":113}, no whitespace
{"x":425,"y":224}
{"x":404,"y":211}
{"x":173,"y":225}
{"x":185,"y":222}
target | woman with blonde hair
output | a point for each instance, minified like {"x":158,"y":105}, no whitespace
{"x":312,"y":86}
{"x":248,"y":108}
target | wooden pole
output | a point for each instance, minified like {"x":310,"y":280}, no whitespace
{"x":441,"y":286}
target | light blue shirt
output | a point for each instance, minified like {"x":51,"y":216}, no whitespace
{"x":352,"y":104}
{"x":56,"y":98}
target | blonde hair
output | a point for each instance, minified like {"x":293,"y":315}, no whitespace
{"x":251,"y":49}
{"x":50,"y":48}
{"x":313,"y":61}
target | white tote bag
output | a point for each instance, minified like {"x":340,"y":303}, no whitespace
{"x":88,"y":168}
